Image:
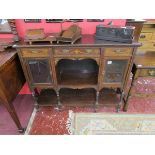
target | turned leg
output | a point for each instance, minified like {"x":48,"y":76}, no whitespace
{"x":126,"y":103}
{"x":136,"y":73}
{"x":96,"y":102}
{"x":36,"y":92}
{"x":121,"y":100}
{"x":125,"y":107}
{"x":58,"y":100}
{"x":35,"y":95}
{"x":10,"y":108}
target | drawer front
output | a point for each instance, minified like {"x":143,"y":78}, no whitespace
{"x":118,"y":51}
{"x":153,"y":37}
{"x":146,"y":72}
{"x":77,"y":51}
{"x":149,"y":46}
{"x":145,"y":36}
{"x":36,"y":52}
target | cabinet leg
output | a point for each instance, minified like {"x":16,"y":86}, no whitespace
{"x":121,"y":100}
{"x":35,"y":96}
{"x":36,"y":92}
{"x":96,"y":102}
{"x":125,"y":108}
{"x":10,"y":108}
{"x":135,"y":72}
{"x":58,"y":100}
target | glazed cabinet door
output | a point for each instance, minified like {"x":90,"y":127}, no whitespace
{"x":39,"y":71}
{"x":113,"y":72}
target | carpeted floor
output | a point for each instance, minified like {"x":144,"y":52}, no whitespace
{"x":49,"y":121}
{"x":24,"y":107}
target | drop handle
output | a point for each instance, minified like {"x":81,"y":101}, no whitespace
{"x":118,"y":50}
{"x":142,"y":36}
{"x":66,"y":51}
{"x":151,"y":72}
{"x":36,"y":51}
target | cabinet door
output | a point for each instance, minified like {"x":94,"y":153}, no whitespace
{"x":114,"y":71}
{"x":39,"y":71}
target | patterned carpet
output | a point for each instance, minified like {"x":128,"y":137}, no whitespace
{"x":103,"y":123}
{"x":49,"y":121}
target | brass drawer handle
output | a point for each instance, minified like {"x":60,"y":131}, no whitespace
{"x":36,"y":51}
{"x":65,"y":50}
{"x":142,"y":36}
{"x":118,"y":50}
{"x":151,"y":72}
{"x":88,"y":50}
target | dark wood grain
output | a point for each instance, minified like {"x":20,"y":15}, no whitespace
{"x":85,"y":41}
{"x":77,"y":97}
{"x":11,"y":81}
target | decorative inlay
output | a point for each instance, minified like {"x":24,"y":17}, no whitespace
{"x":77,"y":51}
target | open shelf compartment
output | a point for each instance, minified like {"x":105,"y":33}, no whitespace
{"x":77,"y":72}
{"x":78,"y":97}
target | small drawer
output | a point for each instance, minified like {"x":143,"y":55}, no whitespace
{"x":153,"y":37}
{"x":146,"y":72}
{"x":145,"y":36}
{"x":36,"y":52}
{"x":118,"y":51}
{"x":149,"y":46}
{"x":77,"y":51}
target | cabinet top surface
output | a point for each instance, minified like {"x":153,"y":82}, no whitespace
{"x":86,"y":40}
{"x":6,"y":57}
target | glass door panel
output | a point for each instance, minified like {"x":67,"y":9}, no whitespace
{"x":39,"y":70}
{"x":115,"y":70}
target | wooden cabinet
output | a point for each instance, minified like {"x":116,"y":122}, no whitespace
{"x":85,"y":65}
{"x":144,"y":66}
{"x":147,"y":37}
{"x":11,"y":81}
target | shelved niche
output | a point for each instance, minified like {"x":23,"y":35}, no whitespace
{"x":77,"y":72}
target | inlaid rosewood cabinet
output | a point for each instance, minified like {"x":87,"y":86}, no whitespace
{"x":87,"y":64}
